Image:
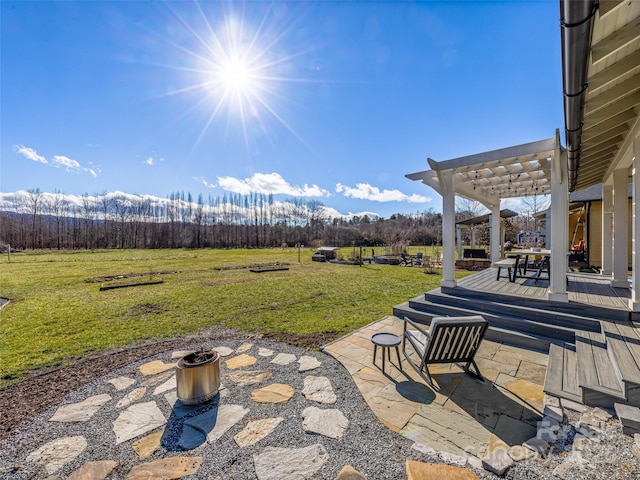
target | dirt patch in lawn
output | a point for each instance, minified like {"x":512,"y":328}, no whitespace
{"x":111,"y":278}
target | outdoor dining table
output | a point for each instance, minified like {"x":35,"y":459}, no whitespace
{"x":526,"y":253}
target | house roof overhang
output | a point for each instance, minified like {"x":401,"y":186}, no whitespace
{"x":517,"y":171}
{"x":601,"y":82}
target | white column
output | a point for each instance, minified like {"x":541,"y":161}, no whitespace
{"x":459,"y":241}
{"x":559,"y":228}
{"x":607,"y":229}
{"x":448,"y":231}
{"x":620,"y":229}
{"x":495,"y":233}
{"x":634,"y":302}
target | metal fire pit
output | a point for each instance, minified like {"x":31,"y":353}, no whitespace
{"x":198,"y":377}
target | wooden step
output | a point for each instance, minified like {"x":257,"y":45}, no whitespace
{"x":597,"y":376}
{"x":519,"y":308}
{"x":623,"y":342}
{"x":499,"y":320}
{"x":495,"y":333}
{"x":561,"y":379}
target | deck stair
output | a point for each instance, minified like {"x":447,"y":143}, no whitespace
{"x":594,"y":352}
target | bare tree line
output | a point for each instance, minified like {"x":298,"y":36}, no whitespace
{"x":38,"y":220}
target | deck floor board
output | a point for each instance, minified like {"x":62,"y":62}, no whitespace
{"x":590,"y":289}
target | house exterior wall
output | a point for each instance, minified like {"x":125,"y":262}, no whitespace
{"x":595,"y":234}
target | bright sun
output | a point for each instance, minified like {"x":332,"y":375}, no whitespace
{"x":240,"y":63}
{"x":236,"y":76}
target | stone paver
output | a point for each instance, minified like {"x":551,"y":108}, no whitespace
{"x":166,"y":468}
{"x":486,"y":394}
{"x":330,"y":423}
{"x":81,"y":411}
{"x":156,"y":379}
{"x":385,"y":403}
{"x":307,"y":363}
{"x":94,"y":470}
{"x":210,"y":425}
{"x":245,"y":347}
{"x":121,"y":383}
{"x":178,"y":354}
{"x":137,"y":420}
{"x":274,"y":393}
{"x":256,"y":430}
{"x":223,"y":351}
{"x":427,"y":471}
{"x":249,"y":377}
{"x":446,"y":430}
{"x":265,"y":352}
{"x":157,"y":366}
{"x":229,"y":416}
{"x":145,"y":447}
{"x":242,"y":360}
{"x":509,"y":432}
{"x":350,"y":473}
{"x":532,"y":372}
{"x":131,"y":397}
{"x":520,"y":452}
{"x":54,"y":455}
{"x":166,"y":386}
{"x":284,"y":359}
{"x":275,"y":463}
{"x":498,"y":462}
{"x":318,"y":389}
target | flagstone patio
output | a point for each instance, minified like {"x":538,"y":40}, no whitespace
{"x":463,"y":416}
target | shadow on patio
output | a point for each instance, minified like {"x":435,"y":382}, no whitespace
{"x":464,"y":416}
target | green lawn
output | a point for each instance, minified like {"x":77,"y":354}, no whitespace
{"x":56,"y":314}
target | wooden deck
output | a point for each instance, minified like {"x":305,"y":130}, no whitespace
{"x":584,"y":288}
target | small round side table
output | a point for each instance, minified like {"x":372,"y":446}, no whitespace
{"x":386,"y":341}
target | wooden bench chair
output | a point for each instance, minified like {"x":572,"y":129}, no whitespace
{"x":511,"y":263}
{"x":448,"y":340}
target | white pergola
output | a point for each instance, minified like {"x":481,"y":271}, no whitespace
{"x":535,"y":168}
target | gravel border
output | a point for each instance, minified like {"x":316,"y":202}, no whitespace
{"x":368,"y":446}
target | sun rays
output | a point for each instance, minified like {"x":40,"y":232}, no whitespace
{"x":237,"y":65}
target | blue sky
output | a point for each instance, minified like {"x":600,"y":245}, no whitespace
{"x":330,"y":101}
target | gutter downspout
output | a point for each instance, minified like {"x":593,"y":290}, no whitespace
{"x":576,"y":19}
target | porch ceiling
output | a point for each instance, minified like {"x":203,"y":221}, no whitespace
{"x":610,"y":115}
{"x":518,"y":171}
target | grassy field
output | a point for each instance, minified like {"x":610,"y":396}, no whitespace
{"x":57,"y":310}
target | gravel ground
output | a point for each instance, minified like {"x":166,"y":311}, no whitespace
{"x":368,"y":446}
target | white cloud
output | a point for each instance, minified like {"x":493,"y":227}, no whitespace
{"x":151,"y":160}
{"x":270,"y":183}
{"x":68,"y":163}
{"x":234,"y":185}
{"x":204,"y":182}
{"x":71,"y":165}
{"x":365,"y":191}
{"x":29,"y":153}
